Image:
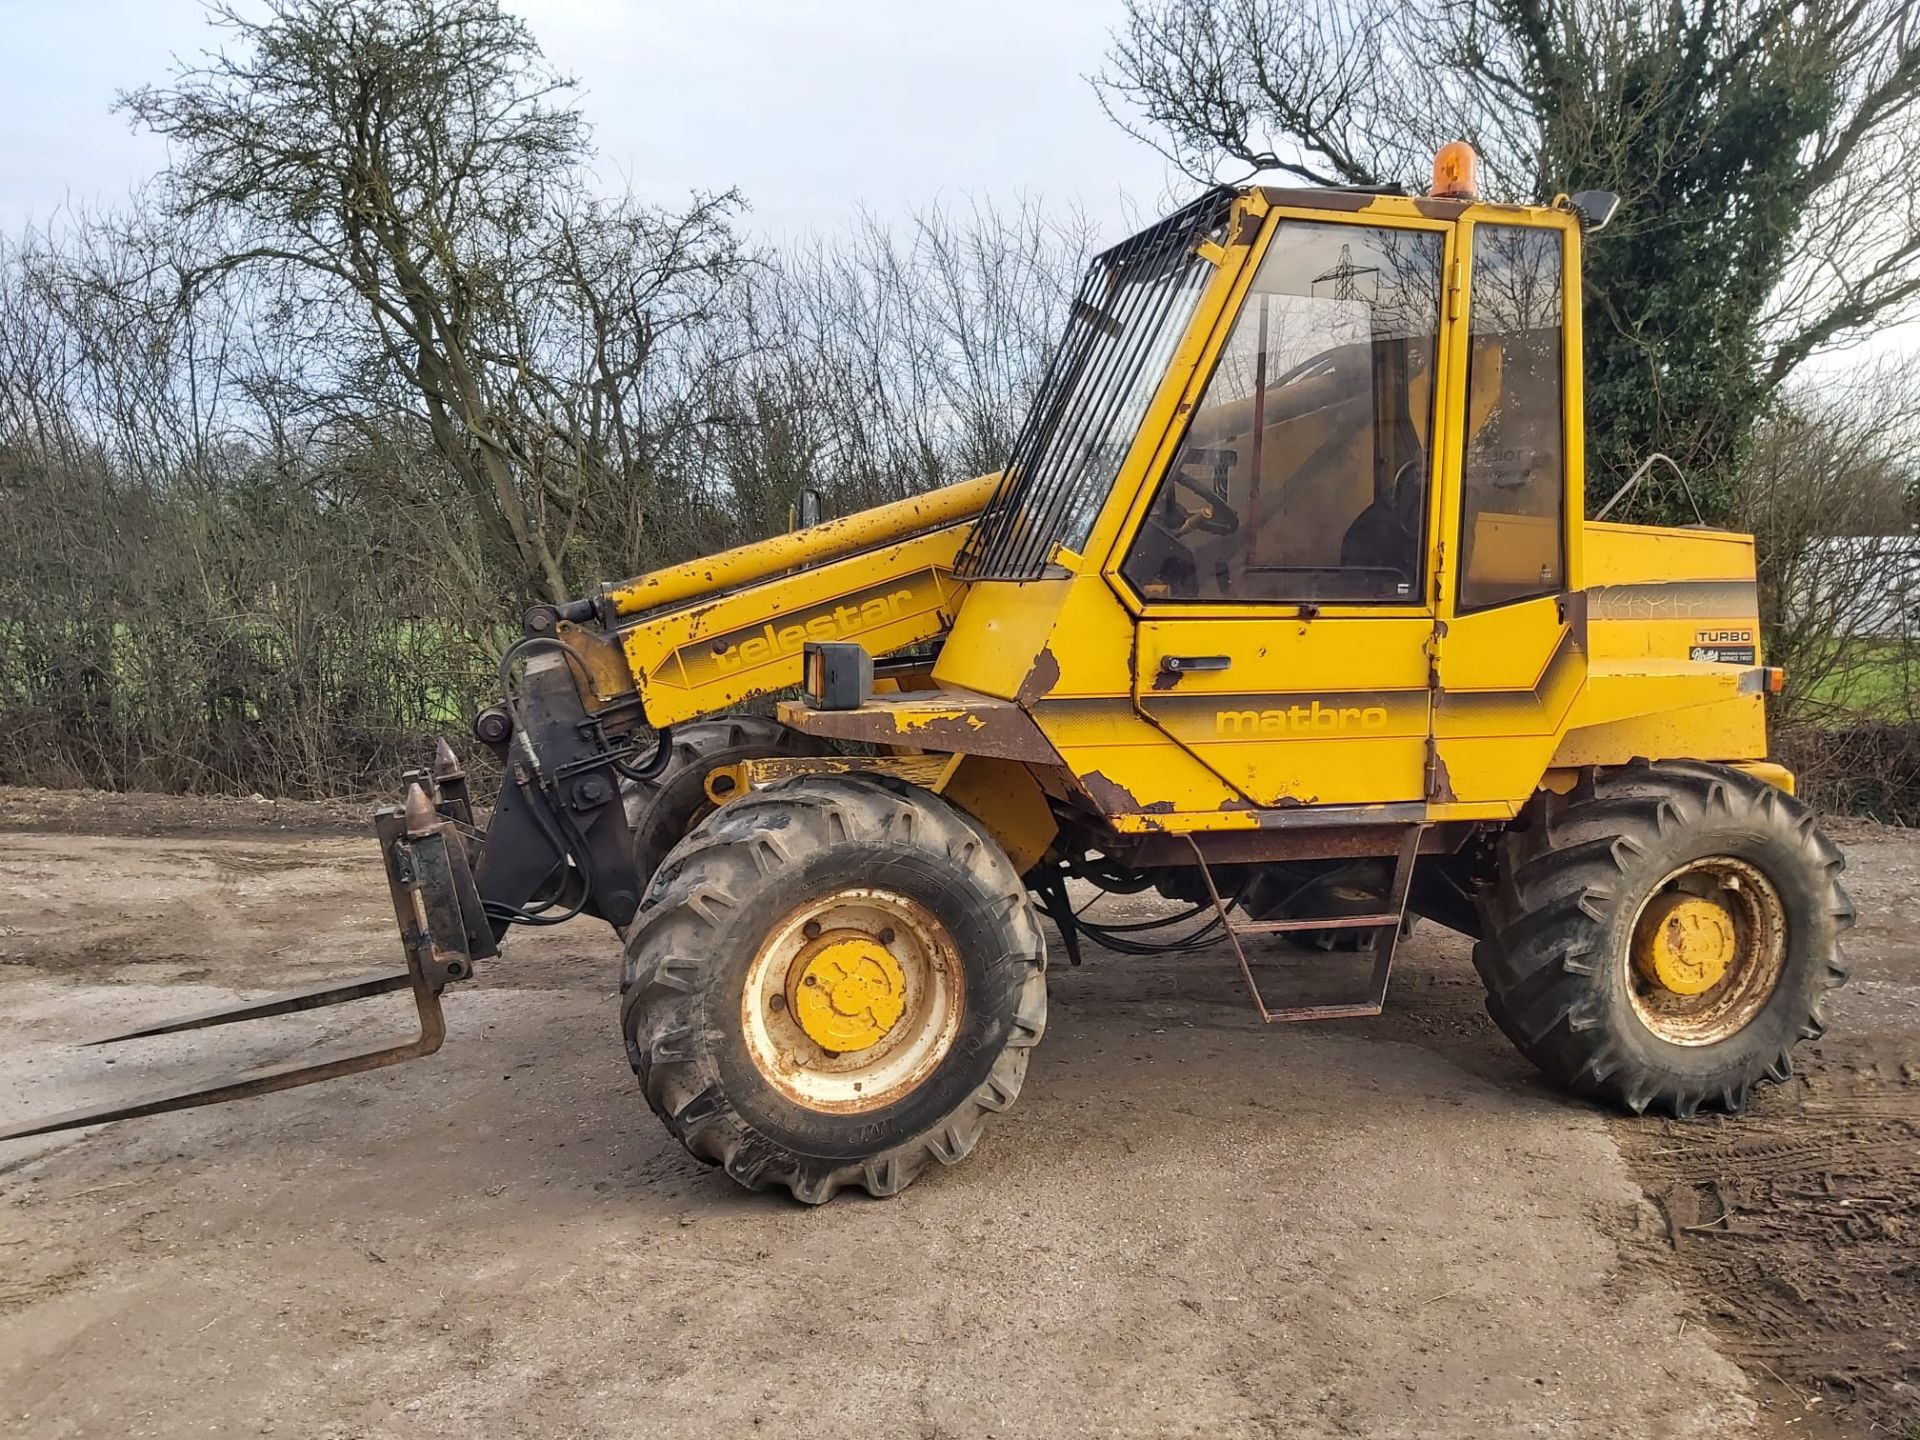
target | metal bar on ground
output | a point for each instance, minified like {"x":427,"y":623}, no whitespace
{"x":287,"y":1002}
{"x":249,"y":1083}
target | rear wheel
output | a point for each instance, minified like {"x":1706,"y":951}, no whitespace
{"x":1664,"y":935}
{"x":661,"y":810}
{"x":833,"y":982}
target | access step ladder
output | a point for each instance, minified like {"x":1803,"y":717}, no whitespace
{"x":1387,"y":924}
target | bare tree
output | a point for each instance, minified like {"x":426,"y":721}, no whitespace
{"x":411,"y":175}
{"x":285,"y":445}
{"x":1827,"y":493}
{"x":889,"y":361}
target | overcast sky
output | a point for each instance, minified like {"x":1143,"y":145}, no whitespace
{"x":814,"y":108}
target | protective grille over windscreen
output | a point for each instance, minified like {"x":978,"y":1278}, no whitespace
{"x":1132,"y":309}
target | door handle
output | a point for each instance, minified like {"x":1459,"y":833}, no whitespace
{"x":1181,"y":664}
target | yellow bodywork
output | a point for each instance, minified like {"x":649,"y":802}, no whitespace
{"x":707,"y":635}
{"x":1067,"y":688}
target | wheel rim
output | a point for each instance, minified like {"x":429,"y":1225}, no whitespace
{"x":853,"y":1000}
{"x":1708,"y":948}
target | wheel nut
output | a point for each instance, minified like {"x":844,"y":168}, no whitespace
{"x":886,"y":936}
{"x":811,"y":929}
{"x":777,"y":1004}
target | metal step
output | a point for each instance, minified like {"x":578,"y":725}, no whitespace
{"x":1386,"y":926}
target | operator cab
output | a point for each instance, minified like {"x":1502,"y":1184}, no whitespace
{"x":1321,"y":450}
{"x":1307,"y":470}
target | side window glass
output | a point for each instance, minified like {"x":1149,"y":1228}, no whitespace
{"x":1303,"y":474}
{"x":1513,"y":480}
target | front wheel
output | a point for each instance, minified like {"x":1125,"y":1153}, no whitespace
{"x":834,"y":981}
{"x":1664,"y":935}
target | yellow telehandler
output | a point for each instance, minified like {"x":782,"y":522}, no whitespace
{"x":1284,"y":605}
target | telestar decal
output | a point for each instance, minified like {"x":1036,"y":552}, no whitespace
{"x":770,"y":641}
{"x":843,"y":620}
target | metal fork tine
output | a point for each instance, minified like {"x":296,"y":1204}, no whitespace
{"x":263,"y":1081}
{"x":287,"y":1002}
{"x":433,"y":890}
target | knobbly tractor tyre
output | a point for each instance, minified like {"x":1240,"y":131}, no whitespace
{"x":833,"y":981}
{"x":1663,"y":936}
{"x":661,"y":810}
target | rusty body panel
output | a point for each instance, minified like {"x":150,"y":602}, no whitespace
{"x":952,"y":721}
{"x":719,"y":652}
{"x":1300,"y":842}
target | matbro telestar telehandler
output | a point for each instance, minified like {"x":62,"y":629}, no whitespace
{"x":1284,"y":605}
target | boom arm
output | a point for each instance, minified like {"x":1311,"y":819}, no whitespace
{"x":686,"y":641}
{"x":698,"y":638}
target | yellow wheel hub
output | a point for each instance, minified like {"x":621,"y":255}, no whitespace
{"x":849,"y":994}
{"x":853,"y":999}
{"x":1685,"y":944}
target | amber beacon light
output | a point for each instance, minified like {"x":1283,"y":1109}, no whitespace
{"x":1456,"y":172}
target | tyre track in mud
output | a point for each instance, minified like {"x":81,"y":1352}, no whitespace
{"x":1804,"y":1253}
{"x":1796,"y":1226}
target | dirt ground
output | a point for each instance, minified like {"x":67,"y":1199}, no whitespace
{"x":1189,"y":1225}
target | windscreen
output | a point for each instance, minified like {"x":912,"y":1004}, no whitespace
{"x":1131,"y":311}
{"x":1303,"y":472}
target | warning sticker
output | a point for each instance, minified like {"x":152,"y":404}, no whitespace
{"x":1724,"y":647}
{"x":1724,"y":654}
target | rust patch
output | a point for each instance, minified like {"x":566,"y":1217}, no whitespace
{"x":1166,"y":679}
{"x":1040,"y":680}
{"x":696,"y":617}
{"x":1112,"y":797}
{"x":1576,"y":616}
{"x":977,"y":726}
{"x":1284,"y":802}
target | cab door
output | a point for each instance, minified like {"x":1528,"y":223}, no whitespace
{"x":1512,"y":654}
{"x":1281,"y":567}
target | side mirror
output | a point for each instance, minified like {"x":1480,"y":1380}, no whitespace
{"x":807,"y":509}
{"x":1594,"y":208}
